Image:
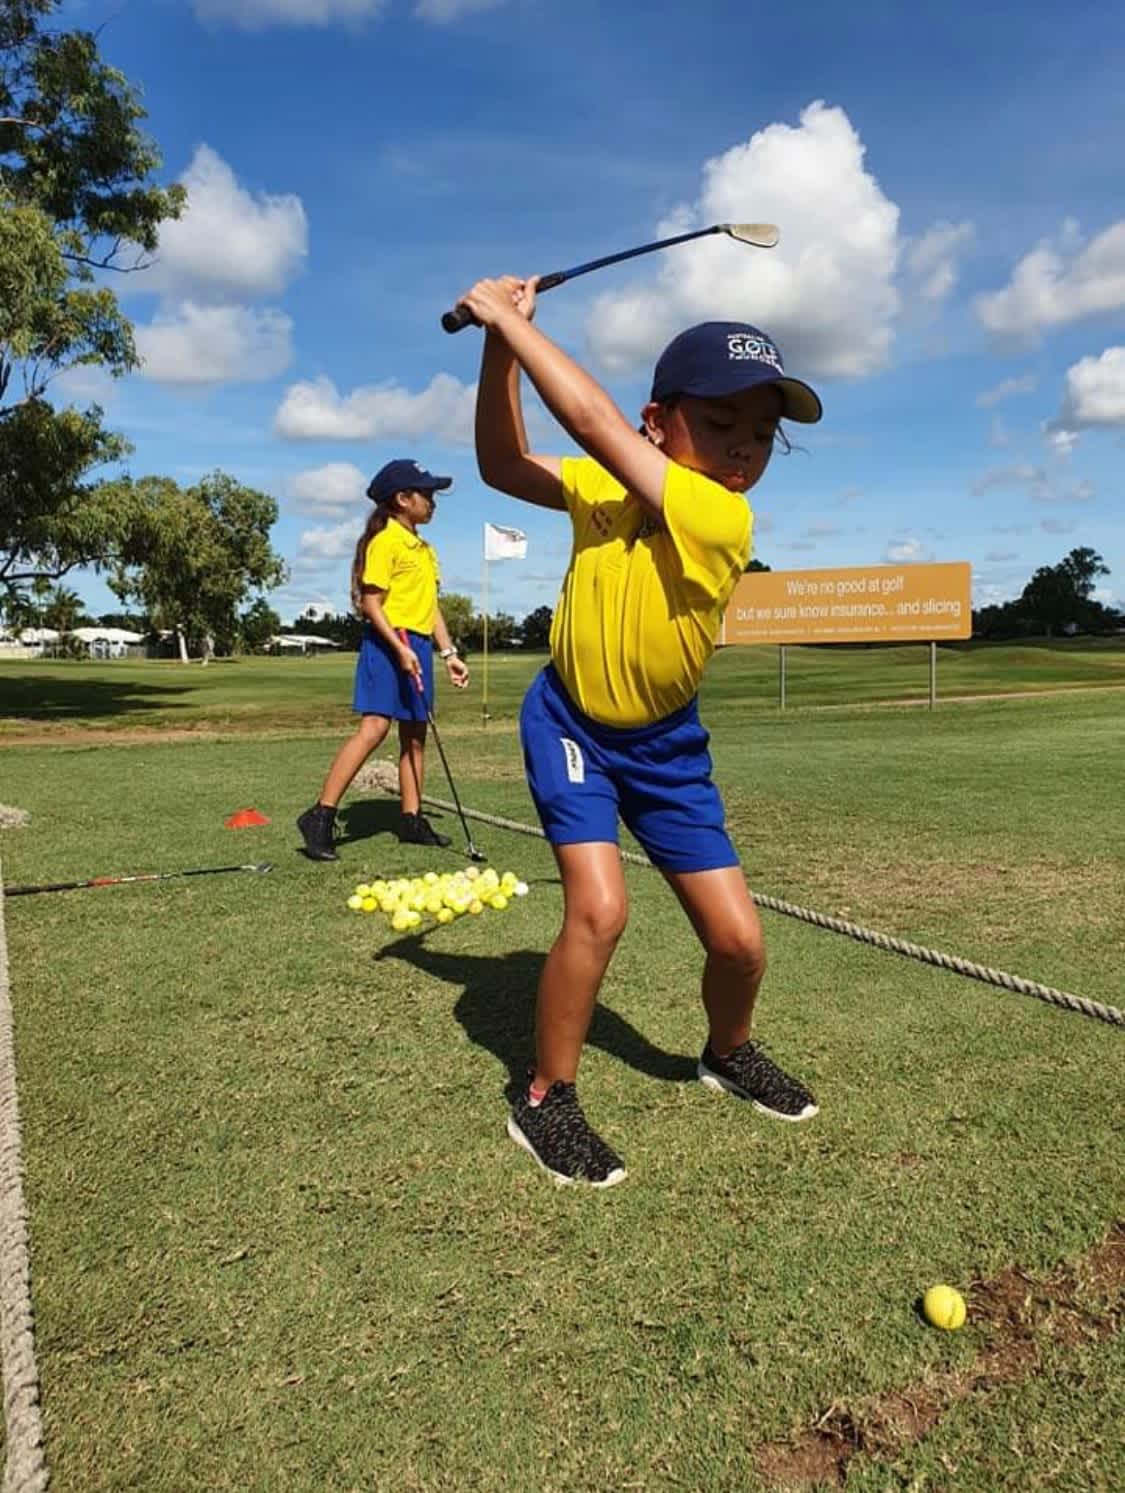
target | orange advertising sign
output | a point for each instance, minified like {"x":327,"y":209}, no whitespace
{"x":858,"y":604}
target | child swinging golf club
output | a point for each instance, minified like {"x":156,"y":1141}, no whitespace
{"x":611,"y":728}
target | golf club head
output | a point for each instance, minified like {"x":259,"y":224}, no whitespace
{"x":761,"y":235}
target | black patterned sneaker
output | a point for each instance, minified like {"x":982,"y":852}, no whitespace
{"x":318,"y":828}
{"x":751,"y":1074}
{"x":416,"y":829}
{"x":558,"y":1135}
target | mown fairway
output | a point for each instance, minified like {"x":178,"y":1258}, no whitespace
{"x":280,"y":1239}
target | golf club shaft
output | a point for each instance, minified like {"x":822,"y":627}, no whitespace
{"x":74,"y":886}
{"x":473,"y":852}
{"x":461,"y":317}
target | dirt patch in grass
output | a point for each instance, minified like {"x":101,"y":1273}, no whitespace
{"x":13,"y":818}
{"x":1083,"y":1302}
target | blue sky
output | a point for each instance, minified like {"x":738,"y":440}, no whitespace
{"x":951,"y":273}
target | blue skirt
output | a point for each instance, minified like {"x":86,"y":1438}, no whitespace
{"x":381,"y":688}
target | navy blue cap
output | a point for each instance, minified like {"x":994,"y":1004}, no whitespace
{"x":718,"y":358}
{"x":404,"y":476}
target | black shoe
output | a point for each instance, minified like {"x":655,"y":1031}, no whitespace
{"x":750,"y":1074}
{"x":416,"y":829}
{"x":559,"y":1137}
{"x":318,"y":827}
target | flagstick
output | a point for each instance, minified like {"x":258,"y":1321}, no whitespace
{"x":484,"y":606}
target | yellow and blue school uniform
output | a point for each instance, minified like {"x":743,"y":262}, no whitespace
{"x":405,"y":567}
{"x":611,"y":727}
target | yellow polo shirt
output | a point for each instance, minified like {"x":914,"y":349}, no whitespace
{"x":406,"y":568}
{"x":642,"y":603}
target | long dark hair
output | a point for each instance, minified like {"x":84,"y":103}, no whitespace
{"x":381,"y":515}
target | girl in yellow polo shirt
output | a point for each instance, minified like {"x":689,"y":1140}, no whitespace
{"x":395,"y":578}
{"x":611,"y":729}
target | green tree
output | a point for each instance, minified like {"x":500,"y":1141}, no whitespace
{"x":76,"y":198}
{"x":458,"y":613}
{"x":63,"y":610}
{"x":257,"y":625}
{"x":535,"y":629}
{"x":1062,"y":595}
{"x":194,"y":556}
{"x":756,"y":564}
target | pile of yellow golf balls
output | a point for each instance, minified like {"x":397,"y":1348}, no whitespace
{"x":442,"y":897}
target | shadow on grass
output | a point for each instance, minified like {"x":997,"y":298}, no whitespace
{"x":496,"y":1007}
{"x":35,"y":697}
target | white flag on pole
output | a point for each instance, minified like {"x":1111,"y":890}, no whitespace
{"x":502,"y":543}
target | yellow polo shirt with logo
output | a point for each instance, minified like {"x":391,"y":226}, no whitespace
{"x":406,"y":568}
{"x":642,"y":603}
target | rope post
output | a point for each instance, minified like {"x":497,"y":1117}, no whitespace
{"x":781,"y":676}
{"x":933,"y":675}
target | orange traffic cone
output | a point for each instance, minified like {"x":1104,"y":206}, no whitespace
{"x":245,"y":819}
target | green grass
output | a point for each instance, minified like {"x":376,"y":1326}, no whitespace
{"x":280,"y":1239}
{"x":313,"y":694}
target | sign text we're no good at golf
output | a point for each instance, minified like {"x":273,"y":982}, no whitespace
{"x":857,"y":604}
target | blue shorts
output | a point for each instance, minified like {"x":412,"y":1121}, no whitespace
{"x":381,"y":688}
{"x":657,"y":778}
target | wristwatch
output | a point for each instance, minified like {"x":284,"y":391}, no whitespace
{"x":447,"y":653}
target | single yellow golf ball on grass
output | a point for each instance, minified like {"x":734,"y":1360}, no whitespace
{"x":355,"y":902}
{"x":944,"y":1307}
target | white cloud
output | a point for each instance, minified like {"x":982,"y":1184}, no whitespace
{"x":1001,"y":557}
{"x":1061,"y":441}
{"x":933,"y":258}
{"x":1038,"y":484}
{"x":329,"y":489}
{"x":442,"y":11}
{"x":998,"y":434}
{"x":907,"y":552}
{"x":827,"y":293}
{"x":1006,"y":390}
{"x":326,"y":544}
{"x":229,"y":240}
{"x":314,"y":410}
{"x":255,"y":15}
{"x":1058,"y":526}
{"x":191,"y":344}
{"x":1094,"y":394}
{"x":1057,"y":283}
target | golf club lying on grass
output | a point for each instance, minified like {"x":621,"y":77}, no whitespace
{"x":760,"y":235}
{"x":73,"y":886}
{"x":470,"y":849}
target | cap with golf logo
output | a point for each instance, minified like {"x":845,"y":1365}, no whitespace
{"x":403,"y":475}
{"x":719,"y":358}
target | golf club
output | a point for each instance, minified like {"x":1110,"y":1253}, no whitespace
{"x":73,"y":886}
{"x":760,"y":235}
{"x":470,"y":849}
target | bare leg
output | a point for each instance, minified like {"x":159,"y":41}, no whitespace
{"x":723,"y":914}
{"x":411,"y":764}
{"x":369,"y":734}
{"x":593,"y":920}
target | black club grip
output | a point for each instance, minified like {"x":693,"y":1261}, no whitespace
{"x":457,"y":319}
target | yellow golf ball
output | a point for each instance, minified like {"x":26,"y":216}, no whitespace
{"x":944,"y":1307}
{"x":355,"y":902}
{"x":378,"y":888}
{"x":475,"y":907}
{"x":499,"y":902}
{"x":430,"y":878}
{"x":368,"y":904}
{"x":472,"y":872}
{"x":445,"y":915}
{"x":400,"y":922}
